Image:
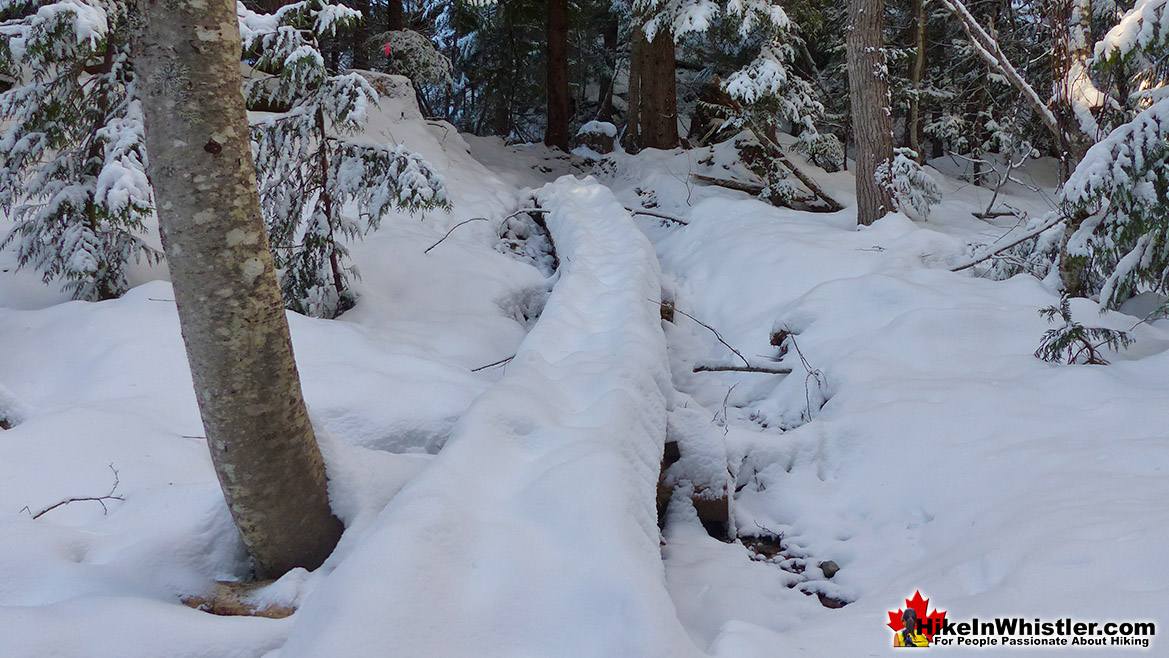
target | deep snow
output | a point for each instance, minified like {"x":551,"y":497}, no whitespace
{"x":508,"y":511}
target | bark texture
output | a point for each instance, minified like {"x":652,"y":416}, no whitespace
{"x":395,"y":16}
{"x":559,"y":106}
{"x":659,"y":94}
{"x":230,"y":311}
{"x":360,"y":34}
{"x":868,"y":86}
{"x":633,"y":114}
{"x":913,"y":127}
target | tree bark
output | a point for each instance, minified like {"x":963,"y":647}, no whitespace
{"x":659,"y":94}
{"x":636,"y":66}
{"x":916,"y":76}
{"x":605,"y":101}
{"x":1070,"y":59}
{"x":556,"y":132}
{"x":230,"y":311}
{"x":868,"y":86}
{"x":395,"y":16}
{"x":360,"y":34}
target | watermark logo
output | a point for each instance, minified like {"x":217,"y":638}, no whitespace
{"x":912,"y":625}
{"x":916,"y":625}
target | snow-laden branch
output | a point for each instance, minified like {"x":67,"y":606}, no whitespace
{"x":988,"y":48}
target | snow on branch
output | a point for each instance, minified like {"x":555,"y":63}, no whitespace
{"x":988,"y":48}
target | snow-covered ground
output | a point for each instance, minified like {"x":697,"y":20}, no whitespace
{"x":918,"y":444}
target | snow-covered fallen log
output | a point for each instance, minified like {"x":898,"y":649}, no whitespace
{"x":533,"y":533}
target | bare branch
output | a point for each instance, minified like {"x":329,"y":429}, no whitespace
{"x":479,"y":219}
{"x":720,"y":367}
{"x":676,"y":220}
{"x":712,"y":330}
{"x":997,"y":250}
{"x":98,"y":499}
{"x":749,"y":188}
{"x":493,"y":364}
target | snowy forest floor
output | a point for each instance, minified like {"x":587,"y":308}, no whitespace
{"x":508,"y":511}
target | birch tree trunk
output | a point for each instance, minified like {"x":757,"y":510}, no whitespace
{"x":186,"y":57}
{"x":868,"y":87}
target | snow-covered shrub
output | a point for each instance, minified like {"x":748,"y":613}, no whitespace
{"x":1073,"y":342}
{"x":822,"y":149}
{"x":72,"y":149}
{"x":914,"y":191}
{"x":411,"y":54}
{"x":307,"y":169}
{"x":778,"y":188}
{"x":598,"y":136}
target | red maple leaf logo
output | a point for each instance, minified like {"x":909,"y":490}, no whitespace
{"x":929,"y":623}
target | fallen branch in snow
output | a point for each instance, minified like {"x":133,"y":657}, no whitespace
{"x":712,"y":330}
{"x":448,"y":233}
{"x":478,"y":219}
{"x":98,"y":499}
{"x":493,"y":364}
{"x":993,"y":215}
{"x":749,"y":188}
{"x":768,"y":140}
{"x":659,"y":215}
{"x":234,"y":599}
{"x":726,"y":367}
{"x":997,"y":250}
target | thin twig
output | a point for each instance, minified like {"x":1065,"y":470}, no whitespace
{"x":98,"y":499}
{"x":813,"y":373}
{"x":479,"y":219}
{"x":493,"y":364}
{"x":448,"y":233}
{"x":712,"y":330}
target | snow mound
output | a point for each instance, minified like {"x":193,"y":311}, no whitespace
{"x":533,"y":533}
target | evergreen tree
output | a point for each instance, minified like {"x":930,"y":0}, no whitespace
{"x":1122,"y":184}
{"x":72,"y":157}
{"x":307,"y":168}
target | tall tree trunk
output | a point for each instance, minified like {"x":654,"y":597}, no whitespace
{"x":636,"y":66}
{"x":230,"y":311}
{"x":659,"y":94}
{"x":556,"y":133}
{"x":916,"y":76}
{"x":868,"y":87}
{"x":360,"y":34}
{"x":1070,"y":60}
{"x":396,"y":16}
{"x":608,"y":78}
